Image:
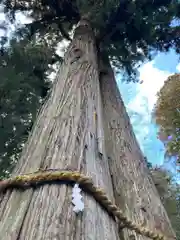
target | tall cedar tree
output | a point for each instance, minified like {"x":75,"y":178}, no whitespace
{"x":59,"y":129}
{"x":128,"y":32}
{"x":83,"y":126}
{"x":65,"y":135}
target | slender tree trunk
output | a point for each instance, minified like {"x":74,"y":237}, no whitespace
{"x":66,"y":134}
{"x":134,"y":189}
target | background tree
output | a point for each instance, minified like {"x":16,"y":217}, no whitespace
{"x":169,"y":191}
{"x":167,"y":116}
{"x":24,"y":70}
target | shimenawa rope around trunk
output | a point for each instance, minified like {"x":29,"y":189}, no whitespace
{"x":86,"y":183}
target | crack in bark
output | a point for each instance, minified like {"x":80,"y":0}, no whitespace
{"x":25,"y":214}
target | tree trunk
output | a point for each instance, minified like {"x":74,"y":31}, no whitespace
{"x":66,"y":135}
{"x":134,"y":189}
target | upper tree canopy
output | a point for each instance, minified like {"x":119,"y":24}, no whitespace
{"x":127,"y":31}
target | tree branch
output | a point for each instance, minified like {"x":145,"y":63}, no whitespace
{"x":63,"y":32}
{"x":44,"y":22}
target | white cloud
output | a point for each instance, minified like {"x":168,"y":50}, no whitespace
{"x":153,"y":79}
{"x":140,"y":107}
{"x":178,"y":67}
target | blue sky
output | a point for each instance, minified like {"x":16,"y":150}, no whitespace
{"x":140,"y":99}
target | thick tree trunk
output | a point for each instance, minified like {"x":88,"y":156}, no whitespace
{"x":66,"y":134}
{"x":134,"y":189}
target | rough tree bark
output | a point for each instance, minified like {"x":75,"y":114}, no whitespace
{"x":66,"y":134}
{"x":134,"y":189}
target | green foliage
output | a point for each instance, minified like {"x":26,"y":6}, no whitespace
{"x":149,"y":165}
{"x":167,"y":115}
{"x":172,"y":206}
{"x":169,"y":192}
{"x":122,"y":28}
{"x":24,"y":67}
{"x":162,"y":179}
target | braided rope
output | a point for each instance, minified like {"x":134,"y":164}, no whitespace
{"x":87,"y":185}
